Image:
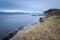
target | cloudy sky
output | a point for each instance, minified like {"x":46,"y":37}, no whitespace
{"x":35,"y":6}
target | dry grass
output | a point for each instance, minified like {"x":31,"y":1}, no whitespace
{"x":48,"y":30}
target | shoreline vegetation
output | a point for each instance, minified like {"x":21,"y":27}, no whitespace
{"x":48,"y":28}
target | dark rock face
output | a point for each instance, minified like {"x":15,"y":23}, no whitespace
{"x":41,"y":19}
{"x":12,"y":34}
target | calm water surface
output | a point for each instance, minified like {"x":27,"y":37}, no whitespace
{"x":11,"y":22}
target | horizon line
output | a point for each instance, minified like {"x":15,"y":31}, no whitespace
{"x":11,"y":11}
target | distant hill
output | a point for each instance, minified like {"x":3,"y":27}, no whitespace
{"x":17,"y":13}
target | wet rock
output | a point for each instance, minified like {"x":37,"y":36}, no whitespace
{"x":10,"y":35}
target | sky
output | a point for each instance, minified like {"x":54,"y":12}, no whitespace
{"x":30,"y":6}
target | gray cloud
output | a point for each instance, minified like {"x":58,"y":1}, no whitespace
{"x":29,"y":5}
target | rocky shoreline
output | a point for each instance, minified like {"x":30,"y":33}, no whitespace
{"x":49,"y":29}
{"x":44,"y":31}
{"x":10,"y":35}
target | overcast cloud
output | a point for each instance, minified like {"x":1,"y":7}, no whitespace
{"x":37,"y":6}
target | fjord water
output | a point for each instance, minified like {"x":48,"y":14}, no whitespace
{"x":11,"y":22}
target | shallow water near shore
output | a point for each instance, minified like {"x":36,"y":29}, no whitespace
{"x":11,"y":22}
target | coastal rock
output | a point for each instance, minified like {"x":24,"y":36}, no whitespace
{"x":10,"y":35}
